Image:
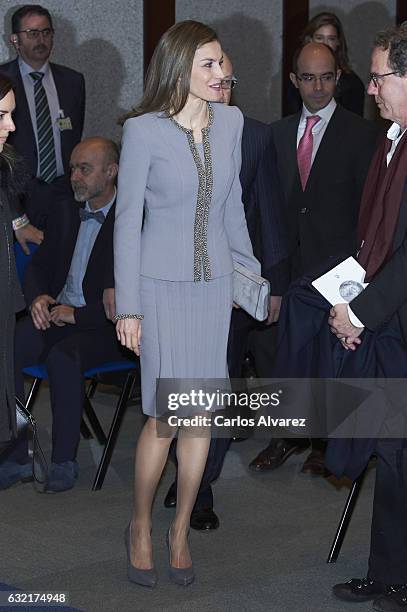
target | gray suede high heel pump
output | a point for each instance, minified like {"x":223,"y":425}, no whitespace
{"x":179,"y":575}
{"x":143,"y":577}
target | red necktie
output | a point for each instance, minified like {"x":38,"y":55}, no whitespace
{"x":304,"y":151}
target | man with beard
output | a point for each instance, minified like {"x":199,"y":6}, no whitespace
{"x":67,"y":328}
{"x":49,"y":112}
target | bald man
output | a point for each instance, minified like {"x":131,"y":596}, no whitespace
{"x":323,"y":155}
{"x":67,"y":328}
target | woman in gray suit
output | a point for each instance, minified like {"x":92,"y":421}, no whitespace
{"x":179,"y":166}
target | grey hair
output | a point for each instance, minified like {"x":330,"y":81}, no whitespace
{"x":395,"y":41}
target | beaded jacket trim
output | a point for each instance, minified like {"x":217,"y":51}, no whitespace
{"x":203,"y":202}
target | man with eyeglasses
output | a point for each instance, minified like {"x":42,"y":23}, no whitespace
{"x":323,"y":155}
{"x":373,"y":327}
{"x":50,"y":109}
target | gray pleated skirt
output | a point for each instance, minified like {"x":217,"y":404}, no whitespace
{"x":184,"y":332}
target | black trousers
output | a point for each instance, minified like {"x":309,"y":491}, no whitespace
{"x":67,"y":352}
{"x":388,"y":544}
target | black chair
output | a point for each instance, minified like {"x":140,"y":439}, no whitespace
{"x":39,"y":373}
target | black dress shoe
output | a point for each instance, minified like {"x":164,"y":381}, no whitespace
{"x":275,"y":454}
{"x":359,"y":589}
{"x":394,"y":600}
{"x":170,"y":500}
{"x":204,"y":520}
{"x":314,"y":464}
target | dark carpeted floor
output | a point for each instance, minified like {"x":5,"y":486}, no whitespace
{"x":268,"y":555}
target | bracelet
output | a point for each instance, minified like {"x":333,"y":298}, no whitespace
{"x":118,"y":317}
{"x":20,"y":222}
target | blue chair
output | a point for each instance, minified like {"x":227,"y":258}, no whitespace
{"x":39,"y":373}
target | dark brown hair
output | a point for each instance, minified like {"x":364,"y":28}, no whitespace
{"x":13,"y":174}
{"x":324,"y":19}
{"x":169,"y":72}
{"x":25,"y":11}
{"x":7,"y":155}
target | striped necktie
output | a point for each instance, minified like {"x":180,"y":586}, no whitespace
{"x":45,"y":134}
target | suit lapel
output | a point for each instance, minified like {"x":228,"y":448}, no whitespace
{"x":24,"y":127}
{"x":72,"y":234}
{"x":64,"y":93}
{"x":323,"y":161}
{"x":290,"y":148}
{"x":103,"y":240}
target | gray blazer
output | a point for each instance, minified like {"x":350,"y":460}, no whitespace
{"x":158,"y":175}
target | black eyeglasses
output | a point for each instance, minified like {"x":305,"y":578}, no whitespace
{"x":228,"y":83}
{"x":373,"y":76}
{"x":33,"y":34}
{"x":312,"y":78}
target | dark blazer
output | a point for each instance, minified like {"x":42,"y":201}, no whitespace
{"x":49,"y":267}
{"x":70,"y":86}
{"x":322,"y":221}
{"x":262,"y":196}
{"x":386,"y":294}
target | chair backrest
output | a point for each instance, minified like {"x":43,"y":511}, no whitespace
{"x":22,"y":260}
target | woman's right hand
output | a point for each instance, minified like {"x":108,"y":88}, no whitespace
{"x":129,"y":334}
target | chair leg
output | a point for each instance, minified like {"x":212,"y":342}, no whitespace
{"x":94,"y":421}
{"x":92,"y":388}
{"x":85,"y":431}
{"x":32,"y":394}
{"x":345,"y":518}
{"x":114,"y":430}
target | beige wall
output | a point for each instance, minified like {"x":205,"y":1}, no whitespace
{"x":251,"y":34}
{"x":361,"y":21}
{"x":102,"y":39}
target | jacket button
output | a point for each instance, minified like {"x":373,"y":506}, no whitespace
{"x":303,"y":210}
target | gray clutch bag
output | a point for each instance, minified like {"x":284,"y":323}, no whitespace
{"x":251,"y":292}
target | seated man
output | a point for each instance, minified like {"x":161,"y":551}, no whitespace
{"x":67,"y":328}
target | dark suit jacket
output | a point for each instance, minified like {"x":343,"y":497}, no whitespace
{"x":383,"y":301}
{"x":322,"y":221}
{"x":49,"y":267}
{"x":262,"y":197}
{"x":386,"y":294}
{"x":70,"y":86}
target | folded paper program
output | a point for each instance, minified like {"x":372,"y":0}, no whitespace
{"x":343,"y":283}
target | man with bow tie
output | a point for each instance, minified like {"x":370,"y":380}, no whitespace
{"x":67,"y":328}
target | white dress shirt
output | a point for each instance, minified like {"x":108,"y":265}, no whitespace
{"x":72,"y":292}
{"x":319,"y":128}
{"x":53,"y":103}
